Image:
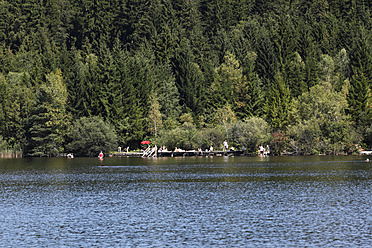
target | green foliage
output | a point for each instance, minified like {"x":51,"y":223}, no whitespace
{"x":205,"y":138}
{"x":3,"y":144}
{"x":155,"y":118}
{"x":168,"y":94}
{"x":295,"y":75}
{"x":196,"y":57}
{"x":189,"y":77}
{"x":48,"y":120}
{"x":326,"y":67}
{"x":277,"y":103}
{"x":307,"y":137}
{"x":190,"y":138}
{"x":359,"y":99}
{"x":16,"y":103}
{"x":368,"y":137}
{"x":186,"y":119}
{"x":250,"y":133}
{"x":319,"y":122}
{"x":89,"y":136}
{"x":279,"y":142}
{"x":182,"y":137}
{"x":225,"y":117}
{"x":243,"y":42}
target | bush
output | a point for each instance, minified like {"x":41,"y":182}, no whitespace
{"x":89,"y":136}
{"x":189,"y":138}
{"x":181,"y":137}
{"x":279,"y":142}
{"x":210,"y":137}
{"x":254,"y":131}
{"x":3,"y":144}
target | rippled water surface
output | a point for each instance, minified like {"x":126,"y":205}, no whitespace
{"x":186,"y":202}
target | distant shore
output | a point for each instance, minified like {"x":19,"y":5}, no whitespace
{"x":10,"y":154}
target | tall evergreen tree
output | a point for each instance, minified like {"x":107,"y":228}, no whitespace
{"x":168,"y":93}
{"x":123,"y":100}
{"x":267,"y":61}
{"x":231,"y":87}
{"x":359,"y":100}
{"x":189,"y":77}
{"x":15,"y":104}
{"x":295,"y":76}
{"x":277,"y":103}
{"x":361,"y":51}
{"x":243,"y":39}
{"x":48,"y":119}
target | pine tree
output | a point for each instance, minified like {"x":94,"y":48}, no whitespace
{"x":361,"y":52}
{"x":267,"y":60}
{"x":243,"y":40}
{"x":189,"y":78}
{"x":48,"y":119}
{"x":295,"y":75}
{"x":359,"y":100}
{"x":15,"y":103}
{"x":277,"y":103}
{"x":231,"y":87}
{"x":168,"y":93}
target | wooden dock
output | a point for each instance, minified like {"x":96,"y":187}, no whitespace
{"x":196,"y":153}
{"x":181,"y":153}
{"x":366,"y":152}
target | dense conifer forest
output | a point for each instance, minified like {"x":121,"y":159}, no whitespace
{"x":82,"y":74}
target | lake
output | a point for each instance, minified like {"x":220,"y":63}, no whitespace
{"x":314,"y":201}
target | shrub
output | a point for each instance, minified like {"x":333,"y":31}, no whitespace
{"x":252,"y":132}
{"x":89,"y":136}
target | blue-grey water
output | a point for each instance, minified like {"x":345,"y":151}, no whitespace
{"x":315,"y":201}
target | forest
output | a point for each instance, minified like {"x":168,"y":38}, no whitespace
{"x":87,"y":75}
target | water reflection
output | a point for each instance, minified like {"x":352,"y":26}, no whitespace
{"x":186,"y":202}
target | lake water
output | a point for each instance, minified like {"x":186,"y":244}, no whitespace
{"x":318,"y":201}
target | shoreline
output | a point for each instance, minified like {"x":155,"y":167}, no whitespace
{"x":194,"y":154}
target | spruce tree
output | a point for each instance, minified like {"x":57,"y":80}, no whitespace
{"x":359,"y":100}
{"x":48,"y":120}
{"x":277,"y":103}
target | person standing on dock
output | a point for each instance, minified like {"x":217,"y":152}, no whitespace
{"x":100,"y":155}
{"x":225,"y":146}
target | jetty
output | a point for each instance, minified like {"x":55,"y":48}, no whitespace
{"x":178,"y":153}
{"x":366,"y":152}
{"x":198,"y":153}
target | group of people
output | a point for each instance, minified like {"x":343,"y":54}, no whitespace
{"x":126,"y":149}
{"x":163,"y":149}
{"x":225,"y":148}
{"x":262,"y":151}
